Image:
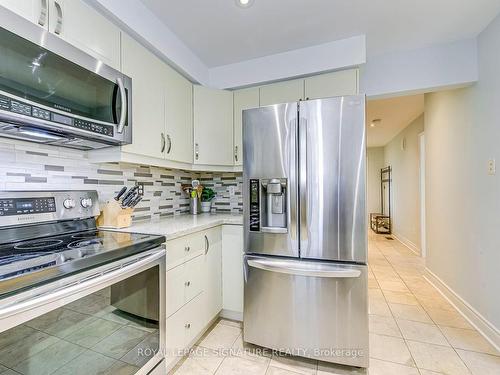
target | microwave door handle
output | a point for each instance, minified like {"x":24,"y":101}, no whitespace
{"x":123,"y":112}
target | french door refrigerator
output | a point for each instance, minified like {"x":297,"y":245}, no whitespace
{"x":305,"y":229}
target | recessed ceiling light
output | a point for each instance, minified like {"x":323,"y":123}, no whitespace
{"x":244,"y":3}
{"x":375,"y":122}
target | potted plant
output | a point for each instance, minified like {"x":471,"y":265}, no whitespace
{"x":207,"y":197}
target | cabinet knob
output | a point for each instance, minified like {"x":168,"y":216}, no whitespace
{"x":196,"y":151}
{"x":187,"y":283}
{"x":236,"y":153}
{"x":187,"y":248}
{"x":187,"y":325}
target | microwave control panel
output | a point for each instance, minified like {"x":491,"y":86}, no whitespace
{"x":8,"y":104}
{"x":254,"y":205}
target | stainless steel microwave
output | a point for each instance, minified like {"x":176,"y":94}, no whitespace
{"x":54,"y":93}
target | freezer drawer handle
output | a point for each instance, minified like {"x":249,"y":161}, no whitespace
{"x":286,"y":267}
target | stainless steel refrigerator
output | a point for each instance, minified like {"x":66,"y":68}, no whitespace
{"x":305,"y":229}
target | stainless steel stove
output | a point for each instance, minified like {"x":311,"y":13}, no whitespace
{"x":57,"y":231}
{"x":61,"y":277}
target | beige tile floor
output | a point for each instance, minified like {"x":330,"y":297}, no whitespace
{"x":413,"y":331}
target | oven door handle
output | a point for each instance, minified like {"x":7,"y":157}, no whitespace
{"x":72,"y":290}
{"x":123,"y":108}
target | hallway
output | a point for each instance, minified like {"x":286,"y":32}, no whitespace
{"x":413,"y":331}
{"x":412,"y":325}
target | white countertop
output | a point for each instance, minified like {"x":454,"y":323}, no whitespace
{"x":180,"y":225}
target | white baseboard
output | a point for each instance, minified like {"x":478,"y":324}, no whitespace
{"x":231,"y":315}
{"x":409,"y":244}
{"x":483,"y":326}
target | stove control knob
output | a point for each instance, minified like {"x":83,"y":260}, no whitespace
{"x":69,"y":203}
{"x":86,"y":202}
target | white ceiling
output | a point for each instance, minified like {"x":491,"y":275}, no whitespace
{"x":221,"y":33}
{"x":395,"y":113}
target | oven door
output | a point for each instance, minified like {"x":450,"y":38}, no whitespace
{"x":75,"y":327}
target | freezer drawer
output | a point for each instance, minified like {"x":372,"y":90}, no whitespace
{"x":310,"y":309}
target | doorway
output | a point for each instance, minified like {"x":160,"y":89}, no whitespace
{"x":421,"y":143}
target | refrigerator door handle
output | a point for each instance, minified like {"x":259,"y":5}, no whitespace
{"x":303,"y":268}
{"x":304,"y":235}
{"x":293,"y":216}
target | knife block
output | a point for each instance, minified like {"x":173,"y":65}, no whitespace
{"x":114,"y":216}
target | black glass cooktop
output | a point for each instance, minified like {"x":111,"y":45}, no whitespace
{"x":24,"y":257}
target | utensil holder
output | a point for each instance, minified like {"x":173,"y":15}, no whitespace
{"x":114,"y":216}
{"x":194,"y":206}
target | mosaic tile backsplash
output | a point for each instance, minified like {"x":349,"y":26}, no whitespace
{"x":29,"y":166}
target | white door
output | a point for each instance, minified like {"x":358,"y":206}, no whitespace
{"x":35,"y":11}
{"x":243,"y":99}
{"x":344,"y":82}
{"x":282,"y":92}
{"x":148,"y":101}
{"x":213,"y":126}
{"x":421,"y":139}
{"x":213,"y":273}
{"x":179,"y":118}
{"x":86,"y":29}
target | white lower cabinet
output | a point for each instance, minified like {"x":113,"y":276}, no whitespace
{"x":194,"y":288}
{"x":213,"y":273}
{"x":183,"y":328}
{"x":232,"y":271}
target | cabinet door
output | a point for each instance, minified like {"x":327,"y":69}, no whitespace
{"x":232,"y":268}
{"x":35,"y":11}
{"x":213,"y":273}
{"x":82,"y":26}
{"x":243,"y":99}
{"x":148,"y":102}
{"x":179,"y":117}
{"x":213,"y":126}
{"x":344,"y":82}
{"x":282,"y":92}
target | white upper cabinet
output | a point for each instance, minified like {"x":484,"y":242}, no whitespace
{"x":179,"y":117}
{"x":282,"y":92}
{"x":35,"y":11}
{"x":243,"y":99}
{"x":344,"y":82}
{"x":148,"y":99}
{"x":83,"y":27}
{"x":213,"y":126}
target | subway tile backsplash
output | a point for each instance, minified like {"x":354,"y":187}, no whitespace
{"x":29,"y":166}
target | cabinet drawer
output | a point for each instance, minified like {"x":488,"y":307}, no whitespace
{"x":184,"y":282}
{"x":184,"y":248}
{"x":194,"y":278}
{"x":176,"y":294}
{"x":184,"y":326}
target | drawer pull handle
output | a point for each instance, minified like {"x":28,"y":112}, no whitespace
{"x":187,"y":283}
{"x":187,"y":248}
{"x":188,"y":325}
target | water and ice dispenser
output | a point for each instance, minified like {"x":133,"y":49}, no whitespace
{"x":268,"y":205}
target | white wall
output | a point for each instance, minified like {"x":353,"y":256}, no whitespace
{"x":462,"y":200}
{"x":375,"y":162}
{"x":405,"y":183}
{"x":421,"y":70}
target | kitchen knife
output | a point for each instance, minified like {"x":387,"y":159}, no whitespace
{"x":135,"y":202}
{"x":128,"y":200}
{"x":120,"y":193}
{"x":130,"y":193}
